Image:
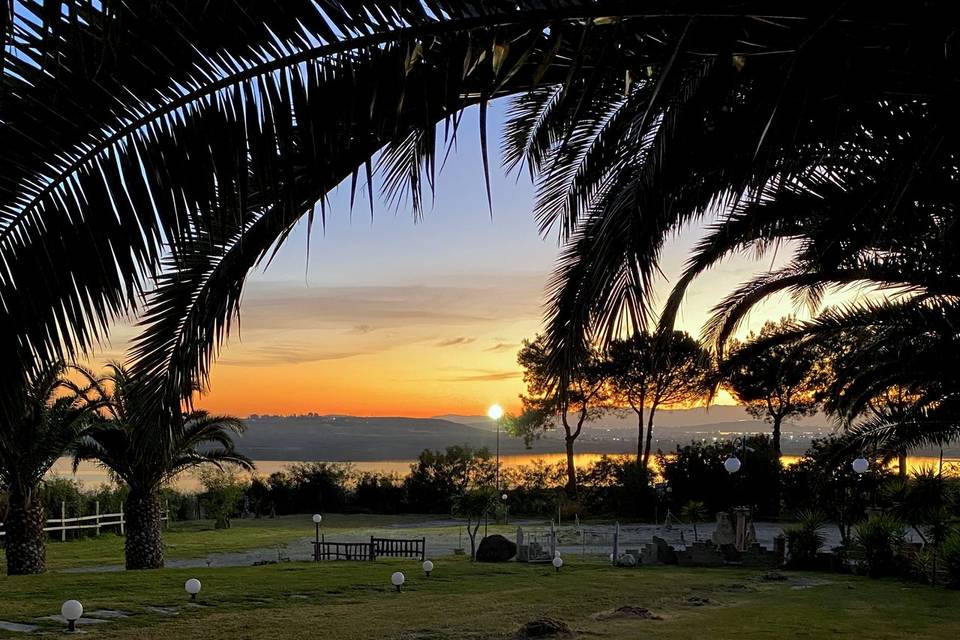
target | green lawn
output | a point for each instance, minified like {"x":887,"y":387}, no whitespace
{"x":195,"y":539}
{"x":354,"y":600}
{"x":342,"y":600}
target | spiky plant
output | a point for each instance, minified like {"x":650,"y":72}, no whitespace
{"x":54,"y":411}
{"x":145,"y":449}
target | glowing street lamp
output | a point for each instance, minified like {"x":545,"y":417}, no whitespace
{"x":71,"y":612}
{"x":495,"y":412}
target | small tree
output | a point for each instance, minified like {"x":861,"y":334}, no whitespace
{"x":647,"y":372}
{"x":778,"y":381}
{"x":473,"y":505}
{"x":544,"y":406}
{"x":437,"y":477}
{"x":222,"y":494}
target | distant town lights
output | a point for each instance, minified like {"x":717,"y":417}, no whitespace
{"x":495,"y":412}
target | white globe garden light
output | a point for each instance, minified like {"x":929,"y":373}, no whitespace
{"x":556,"y":554}
{"x":397,"y":579}
{"x":557,"y":563}
{"x":860,"y":465}
{"x":427,"y":567}
{"x":732,"y":464}
{"x":495,"y":412}
{"x":504,"y":497}
{"x":71,"y":610}
{"x":192,"y":586}
{"x":317,"y":518}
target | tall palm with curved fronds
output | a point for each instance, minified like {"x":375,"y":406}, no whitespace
{"x":145,"y":455}
{"x":634,"y":122}
{"x":54,"y":412}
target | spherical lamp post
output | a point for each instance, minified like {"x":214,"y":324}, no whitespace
{"x":732,"y":464}
{"x":192,"y":586}
{"x":427,"y":567}
{"x":557,"y":562}
{"x":861,"y":465}
{"x":397,"y":579}
{"x":317,"y":519}
{"x":71,"y":612}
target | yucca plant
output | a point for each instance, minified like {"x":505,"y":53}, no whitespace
{"x":880,"y":540}
{"x":144,"y":450}
{"x":56,"y":409}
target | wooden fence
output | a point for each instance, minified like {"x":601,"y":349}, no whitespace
{"x":95,"y":522}
{"x":377,"y":547}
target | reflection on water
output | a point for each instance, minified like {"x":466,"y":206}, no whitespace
{"x":91,"y":476}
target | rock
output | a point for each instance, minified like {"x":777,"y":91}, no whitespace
{"x":496,"y":548}
{"x":544,"y":628}
{"x":628,"y":611}
{"x":627,"y":560}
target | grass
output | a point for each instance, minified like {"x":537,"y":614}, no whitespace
{"x":341,"y":600}
{"x":465,"y":600}
{"x":194,"y":539}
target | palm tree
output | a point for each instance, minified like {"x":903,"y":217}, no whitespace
{"x":633,"y":122}
{"x":145,"y":453}
{"x":54,"y":412}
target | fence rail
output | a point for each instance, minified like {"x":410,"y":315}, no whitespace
{"x":97,"y":521}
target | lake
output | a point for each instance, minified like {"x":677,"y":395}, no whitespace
{"x":91,"y":475}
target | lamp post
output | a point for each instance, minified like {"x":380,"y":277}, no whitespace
{"x":192,"y":586}
{"x":505,"y":508}
{"x":495,"y":412}
{"x":71,"y":612}
{"x":317,"y":519}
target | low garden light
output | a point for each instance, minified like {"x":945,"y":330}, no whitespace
{"x":557,"y":562}
{"x":71,"y":612}
{"x":861,"y":465}
{"x":192,"y":586}
{"x":397,"y":579}
{"x":504,"y":497}
{"x":732,"y":464}
{"x":427,"y":567}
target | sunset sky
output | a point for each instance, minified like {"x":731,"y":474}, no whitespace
{"x":392,"y":317}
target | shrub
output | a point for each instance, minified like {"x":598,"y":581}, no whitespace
{"x":950,"y":552}
{"x":223,"y":495}
{"x":880,"y":540}
{"x":805,"y":539}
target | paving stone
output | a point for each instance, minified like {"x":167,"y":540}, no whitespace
{"x":17,"y":626}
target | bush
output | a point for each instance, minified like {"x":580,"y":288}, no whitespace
{"x":950,"y":552}
{"x":223,"y":495}
{"x":804,"y":540}
{"x":880,"y":540}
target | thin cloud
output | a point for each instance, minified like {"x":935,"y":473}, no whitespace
{"x":491,"y":376}
{"x":455,"y":342}
{"x":272,"y":354}
{"x":503,"y":346}
{"x":361,"y":329}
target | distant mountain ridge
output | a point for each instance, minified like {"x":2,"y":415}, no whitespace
{"x":361,"y":439}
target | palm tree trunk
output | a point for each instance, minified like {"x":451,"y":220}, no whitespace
{"x":645,"y":469}
{"x":143,"y":546}
{"x":25,"y":538}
